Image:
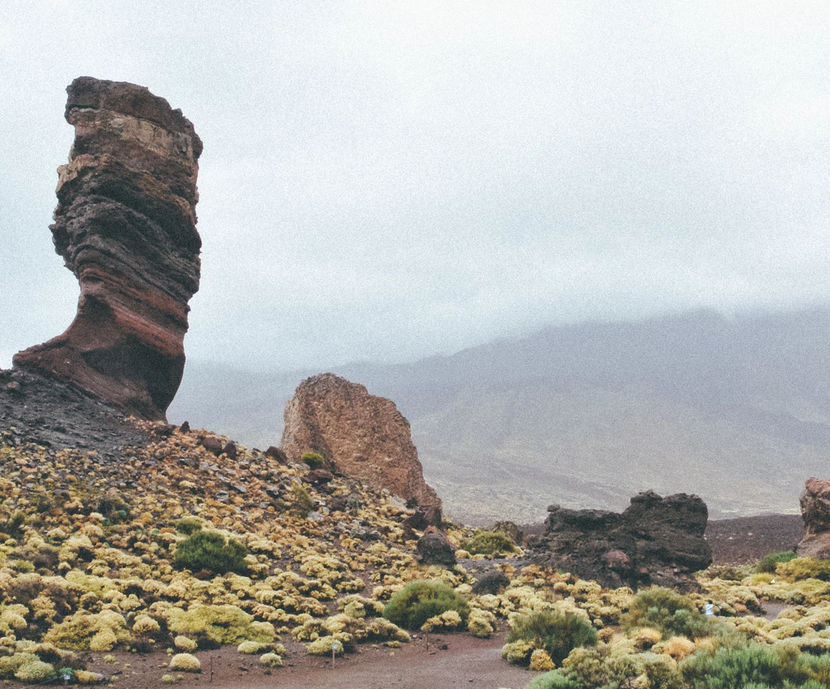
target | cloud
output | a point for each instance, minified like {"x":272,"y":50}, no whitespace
{"x":389,"y":180}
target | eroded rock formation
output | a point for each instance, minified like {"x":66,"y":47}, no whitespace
{"x":815,"y":511}
{"x":359,"y":434}
{"x":125,"y":225}
{"x":655,"y":541}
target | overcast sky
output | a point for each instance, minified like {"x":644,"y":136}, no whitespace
{"x":390,"y":180}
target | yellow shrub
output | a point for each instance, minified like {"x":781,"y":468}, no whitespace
{"x":185,"y":662}
{"x":540,"y":660}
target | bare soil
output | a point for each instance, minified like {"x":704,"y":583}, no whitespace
{"x":449,"y":661}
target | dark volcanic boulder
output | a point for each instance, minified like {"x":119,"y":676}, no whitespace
{"x":125,"y":225}
{"x":655,"y":541}
{"x":434,"y":548}
{"x":424,"y":516}
{"x":815,"y":511}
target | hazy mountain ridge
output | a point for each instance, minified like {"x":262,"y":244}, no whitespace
{"x":736,"y":409}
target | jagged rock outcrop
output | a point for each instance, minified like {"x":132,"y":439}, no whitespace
{"x":359,"y":434}
{"x":125,"y":225}
{"x":654,"y":541}
{"x":815,"y":511}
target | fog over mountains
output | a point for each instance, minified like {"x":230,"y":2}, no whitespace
{"x":734,"y":409}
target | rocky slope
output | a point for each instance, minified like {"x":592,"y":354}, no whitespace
{"x":362,"y":435}
{"x":125,"y":226}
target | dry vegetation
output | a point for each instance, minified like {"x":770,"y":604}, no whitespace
{"x":176,"y":550}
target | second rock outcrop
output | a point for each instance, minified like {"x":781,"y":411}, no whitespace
{"x":655,"y":541}
{"x":359,"y":434}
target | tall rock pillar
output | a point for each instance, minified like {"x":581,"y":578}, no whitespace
{"x":125,"y":225}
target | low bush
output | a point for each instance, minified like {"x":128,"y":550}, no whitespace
{"x":304,"y":501}
{"x":553,"y":680}
{"x":217,"y":625}
{"x":768,"y":562}
{"x":805,"y":568}
{"x":314,"y":460}
{"x":671,"y":613}
{"x":189,"y":525}
{"x":212,"y":551}
{"x":555,"y":632}
{"x":754,"y":666}
{"x":488,"y":543}
{"x":419,"y":600}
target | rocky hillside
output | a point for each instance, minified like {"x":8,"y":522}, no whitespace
{"x":736,"y":410}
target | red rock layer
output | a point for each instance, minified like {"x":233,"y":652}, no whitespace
{"x":362,"y":435}
{"x":125,"y":225}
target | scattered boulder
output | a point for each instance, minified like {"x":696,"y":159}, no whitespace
{"x":655,"y":541}
{"x":511,"y":530}
{"x":362,"y":435}
{"x":815,"y":511}
{"x":276,"y":453}
{"x":212,"y":444}
{"x":317,"y":477}
{"x":424,"y":516}
{"x":490,"y":581}
{"x":434,"y":548}
{"x":125,"y":225}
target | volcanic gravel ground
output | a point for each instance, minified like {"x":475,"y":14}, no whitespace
{"x":57,"y":414}
{"x":747,"y":539}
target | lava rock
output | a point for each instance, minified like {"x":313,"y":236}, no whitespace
{"x":655,"y":541}
{"x":434,"y":548}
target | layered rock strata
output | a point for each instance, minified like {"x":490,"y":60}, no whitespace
{"x":358,"y":434}
{"x":654,"y":541}
{"x":125,"y":225}
{"x":815,"y":511}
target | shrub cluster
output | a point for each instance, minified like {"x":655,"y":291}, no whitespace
{"x":212,"y":551}
{"x":805,"y":568}
{"x":671,"y":613}
{"x":552,"y":631}
{"x":420,"y":600}
{"x":313,"y":460}
{"x":768,"y":562}
{"x":488,"y":543}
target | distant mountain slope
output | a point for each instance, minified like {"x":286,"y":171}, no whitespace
{"x":737,"y":410}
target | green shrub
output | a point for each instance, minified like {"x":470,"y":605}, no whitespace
{"x":670,"y":612}
{"x":553,"y":631}
{"x":212,"y":551}
{"x":768,"y":562}
{"x":304,"y":502}
{"x":554,"y":679}
{"x":189,"y":525}
{"x":13,"y":526}
{"x":488,"y":543}
{"x":314,"y":460}
{"x":419,"y":600}
{"x":805,"y":568}
{"x":220,"y":625}
{"x":752,"y":666}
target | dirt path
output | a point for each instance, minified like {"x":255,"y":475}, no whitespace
{"x":452,"y":661}
{"x":466,"y":662}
